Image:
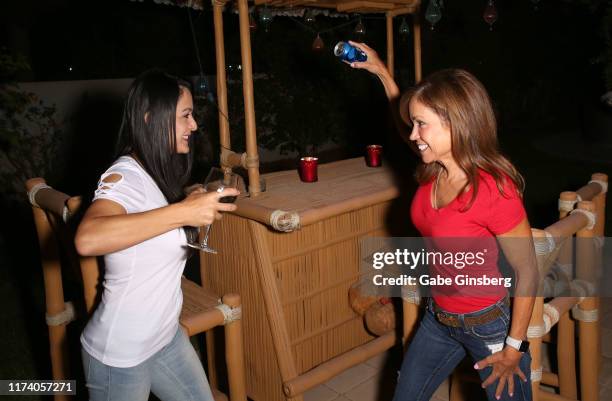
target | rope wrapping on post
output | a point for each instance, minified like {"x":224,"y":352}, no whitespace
{"x":544,"y":246}
{"x":536,"y":331}
{"x":64,"y":317}
{"x":34,"y":191}
{"x":285,"y":221}
{"x":536,"y":374}
{"x":587,"y":316}
{"x":565,"y":268}
{"x":411,"y":295}
{"x":230,"y":314}
{"x":551,"y":317}
{"x":567,"y":205}
{"x":590,"y":215}
{"x":602,"y":184}
{"x":252,"y":162}
{"x":582,"y":289}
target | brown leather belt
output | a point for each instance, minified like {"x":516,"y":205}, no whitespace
{"x":452,"y":319}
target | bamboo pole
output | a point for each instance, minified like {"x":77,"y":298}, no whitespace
{"x":274,"y":311}
{"x":588,"y":340}
{"x":550,"y":379}
{"x":535,"y":344}
{"x":566,"y":337}
{"x":599,"y":230}
{"x":457,"y":389}
{"x":224,"y":131}
{"x":416,"y":29}
{"x":546,"y":396}
{"x":252,"y":159}
{"x":390,"y":49}
{"x":334,"y":366}
{"x":54,"y":291}
{"x":234,"y":354}
{"x":211,"y":358}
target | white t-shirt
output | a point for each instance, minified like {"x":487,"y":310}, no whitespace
{"x":142,"y":298}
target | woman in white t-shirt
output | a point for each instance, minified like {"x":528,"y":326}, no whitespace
{"x":139,"y":219}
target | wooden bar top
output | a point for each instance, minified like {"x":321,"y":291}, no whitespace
{"x":343,"y":186}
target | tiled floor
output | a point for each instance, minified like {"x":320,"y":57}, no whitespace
{"x":374,"y":380}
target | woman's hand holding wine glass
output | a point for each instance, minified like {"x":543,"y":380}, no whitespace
{"x":220,"y":187}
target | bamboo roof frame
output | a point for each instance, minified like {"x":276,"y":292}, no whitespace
{"x":250,"y":159}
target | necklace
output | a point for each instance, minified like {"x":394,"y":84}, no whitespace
{"x":435,"y":192}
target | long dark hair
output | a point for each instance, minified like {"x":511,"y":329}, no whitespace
{"x":148,"y":131}
{"x":462,"y":103}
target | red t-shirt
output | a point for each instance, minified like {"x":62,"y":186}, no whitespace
{"x":491,"y":214}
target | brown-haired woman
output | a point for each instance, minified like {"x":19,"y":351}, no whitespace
{"x":470,"y":196}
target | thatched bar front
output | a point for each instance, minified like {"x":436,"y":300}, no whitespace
{"x":294,"y":285}
{"x":292,"y":251}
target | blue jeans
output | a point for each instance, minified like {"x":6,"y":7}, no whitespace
{"x":173,"y":373}
{"x":437,"y":349}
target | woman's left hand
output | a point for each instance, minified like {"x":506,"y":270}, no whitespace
{"x":505,"y":364}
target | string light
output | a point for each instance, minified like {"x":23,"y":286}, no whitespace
{"x":490,"y":14}
{"x":360,"y":28}
{"x":265,"y":18}
{"x":252,"y":22}
{"x":404,"y":29}
{"x":433,"y":14}
{"x":318,"y":44}
{"x":309,"y":16}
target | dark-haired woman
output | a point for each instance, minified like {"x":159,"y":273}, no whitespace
{"x":133,"y":344}
{"x":469,"y":197}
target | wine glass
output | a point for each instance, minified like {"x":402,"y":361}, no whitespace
{"x":217,"y":180}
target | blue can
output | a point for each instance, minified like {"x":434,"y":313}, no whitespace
{"x":347,"y":52}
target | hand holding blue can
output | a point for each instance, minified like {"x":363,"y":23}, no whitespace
{"x":349,"y":53}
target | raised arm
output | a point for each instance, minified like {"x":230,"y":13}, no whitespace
{"x":375,"y":66}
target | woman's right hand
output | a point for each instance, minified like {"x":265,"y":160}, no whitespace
{"x":201,"y":208}
{"x":373,"y":64}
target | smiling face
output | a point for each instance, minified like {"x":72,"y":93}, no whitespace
{"x":185,"y":124}
{"x":431,"y":134}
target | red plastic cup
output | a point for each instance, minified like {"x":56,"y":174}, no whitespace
{"x":374,"y":155}
{"x":308,"y":169}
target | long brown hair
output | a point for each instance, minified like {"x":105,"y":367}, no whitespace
{"x":462,"y":103}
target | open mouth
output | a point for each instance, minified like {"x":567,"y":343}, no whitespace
{"x":422,"y":146}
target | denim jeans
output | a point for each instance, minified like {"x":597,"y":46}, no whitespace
{"x":173,"y":373}
{"x":437,"y":349}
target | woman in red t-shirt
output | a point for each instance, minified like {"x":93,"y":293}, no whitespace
{"x":469,"y":196}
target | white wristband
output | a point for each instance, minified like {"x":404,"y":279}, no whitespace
{"x":514,"y":343}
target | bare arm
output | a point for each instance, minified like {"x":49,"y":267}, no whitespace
{"x":106,"y":227}
{"x":518,"y":248}
{"x":375,"y":66}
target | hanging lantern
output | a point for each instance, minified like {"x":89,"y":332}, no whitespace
{"x":433,"y":14}
{"x":202,"y":88}
{"x":318,"y":44}
{"x":360,"y":28}
{"x":252,"y":22}
{"x":404,"y":29}
{"x":309,"y":16}
{"x":490,"y":14}
{"x":265,"y":18}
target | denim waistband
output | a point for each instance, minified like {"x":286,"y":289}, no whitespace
{"x":505,"y":301}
